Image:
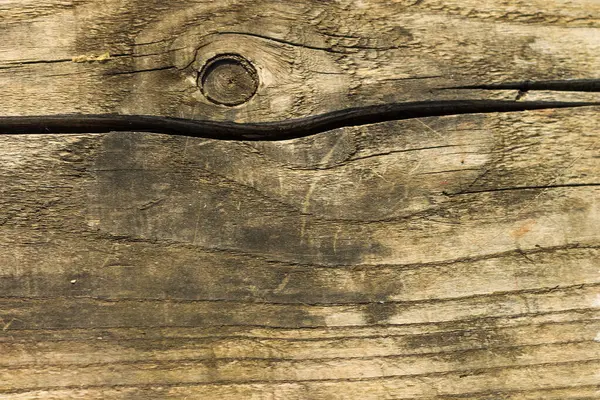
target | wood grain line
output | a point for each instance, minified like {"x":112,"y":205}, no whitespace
{"x":100,"y":299}
{"x":562,"y":317}
{"x":345,"y":380}
{"x":158,"y":392}
{"x":201,"y":359}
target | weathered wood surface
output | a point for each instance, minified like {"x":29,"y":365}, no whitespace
{"x":445,"y":257}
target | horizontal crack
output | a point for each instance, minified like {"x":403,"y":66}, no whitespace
{"x":141,"y":70}
{"x":535,"y":187}
{"x":268,"y":131}
{"x":573,"y":85}
{"x":329,"y":49}
{"x":12,"y":64}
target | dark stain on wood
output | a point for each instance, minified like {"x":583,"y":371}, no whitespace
{"x":444,"y":257}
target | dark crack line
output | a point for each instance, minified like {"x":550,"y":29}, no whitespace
{"x":303,"y":45}
{"x":140,"y":71}
{"x":268,"y":131}
{"x":573,"y":85}
{"x":539,"y":187}
{"x":17,"y":63}
{"x":12,"y":64}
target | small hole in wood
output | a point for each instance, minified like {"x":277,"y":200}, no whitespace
{"x":228,"y":79}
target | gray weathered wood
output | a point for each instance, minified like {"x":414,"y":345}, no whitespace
{"x":444,"y":257}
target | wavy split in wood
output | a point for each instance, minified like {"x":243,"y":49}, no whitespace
{"x":283,"y":130}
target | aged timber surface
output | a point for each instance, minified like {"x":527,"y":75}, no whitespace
{"x":447,"y":257}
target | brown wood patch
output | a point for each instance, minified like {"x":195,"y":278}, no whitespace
{"x":443,"y":257}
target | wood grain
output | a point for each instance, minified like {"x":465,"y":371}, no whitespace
{"x":379,"y":51}
{"x":450,"y":257}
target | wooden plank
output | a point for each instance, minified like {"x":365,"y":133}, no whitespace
{"x":334,"y":54}
{"x":451,"y":257}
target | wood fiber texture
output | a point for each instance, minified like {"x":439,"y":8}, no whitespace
{"x":453,"y":257}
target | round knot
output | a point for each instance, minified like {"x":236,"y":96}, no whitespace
{"x":228,"y":79}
